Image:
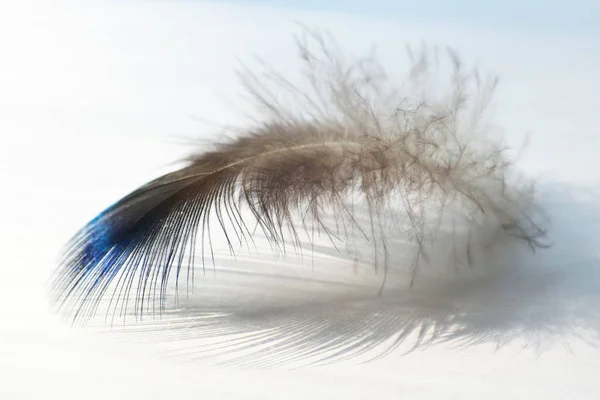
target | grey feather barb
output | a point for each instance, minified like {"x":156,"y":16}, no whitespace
{"x":352,"y":134}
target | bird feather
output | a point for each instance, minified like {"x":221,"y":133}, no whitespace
{"x":352,"y":137}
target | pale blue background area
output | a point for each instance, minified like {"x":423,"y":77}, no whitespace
{"x":547,"y":15}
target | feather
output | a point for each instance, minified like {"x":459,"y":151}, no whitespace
{"x":336,"y":159}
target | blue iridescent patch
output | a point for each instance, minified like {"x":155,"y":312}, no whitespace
{"x":99,"y":241}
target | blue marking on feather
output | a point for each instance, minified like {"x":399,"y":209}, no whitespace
{"x":99,"y":241}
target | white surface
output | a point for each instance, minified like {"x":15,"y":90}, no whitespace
{"x":93,"y":100}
